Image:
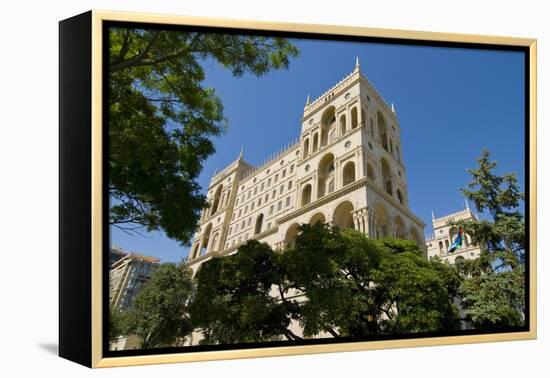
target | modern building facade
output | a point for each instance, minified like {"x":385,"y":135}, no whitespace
{"x":127,"y":276}
{"x":346,"y":169}
{"x":437,"y":244}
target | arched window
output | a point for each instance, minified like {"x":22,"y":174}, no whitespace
{"x":306,"y":148}
{"x":259,"y":222}
{"x":328,"y":120}
{"x":440,"y":247}
{"x":400,"y":232}
{"x":386,"y":177}
{"x":382,"y":222}
{"x":446,"y":245}
{"x":397,"y":153}
{"x":400,"y":197}
{"x":195,"y":251}
{"x":354,"y":120}
{"x":325,"y":172}
{"x":216,"y":201}
{"x":306,"y":195}
{"x":342,"y":124}
{"x":348,"y":173}
{"x":459,"y":259}
{"x":206,"y":239}
{"x":315,"y":142}
{"x":382,"y":132}
{"x":214,"y":246}
{"x":331,"y":186}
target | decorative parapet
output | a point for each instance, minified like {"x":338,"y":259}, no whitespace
{"x":294,"y":144}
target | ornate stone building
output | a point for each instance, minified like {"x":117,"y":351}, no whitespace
{"x":346,"y":168}
{"x":438,"y":243}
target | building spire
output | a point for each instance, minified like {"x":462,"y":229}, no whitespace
{"x":467,"y":204}
{"x":392,"y":108}
{"x":241,"y":154}
{"x":357,"y":65}
{"x":433,"y":215}
{"x":308,"y":100}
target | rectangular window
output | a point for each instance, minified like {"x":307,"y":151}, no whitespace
{"x":274,"y":193}
{"x":248,"y":195}
{"x":268,"y":225}
{"x":287,"y":201}
{"x":240,"y":212}
{"x":245,"y":209}
{"x":292,"y":168}
{"x":243,"y":224}
{"x":249,"y":220}
{"x":290,"y":184}
{"x":271,"y":210}
{"x":255,"y":190}
{"x":230,"y":229}
{"x":262,"y":188}
{"x":259,"y":201}
{"x":284,"y":173}
{"x":252,"y":206}
{"x":233,"y":216}
{"x":281,"y":189}
{"x":279,"y":205}
{"x":236,"y":202}
{"x":276,"y":178}
{"x":267,"y":197}
{"x":269,"y":182}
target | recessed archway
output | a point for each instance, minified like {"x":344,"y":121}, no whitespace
{"x":382,"y":131}
{"x":343,"y":215}
{"x":354,"y":120}
{"x":206,"y":239}
{"x":387,"y":177}
{"x":318,"y":217}
{"x":325,"y":172}
{"x":328,"y":120}
{"x":291,"y":235}
{"x":400,"y":229}
{"x":216,"y":201}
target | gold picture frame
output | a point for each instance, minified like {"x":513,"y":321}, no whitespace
{"x":76,"y":328}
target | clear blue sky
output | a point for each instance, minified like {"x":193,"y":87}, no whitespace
{"x":450,"y":102}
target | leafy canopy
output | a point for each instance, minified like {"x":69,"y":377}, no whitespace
{"x":161,"y":119}
{"x":159,"y":315}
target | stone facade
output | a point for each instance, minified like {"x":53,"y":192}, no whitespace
{"x":346,"y":168}
{"x":438,"y":243}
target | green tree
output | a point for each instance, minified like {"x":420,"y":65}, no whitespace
{"x":233,"y":302}
{"x":161,"y":118}
{"x":356,"y":286}
{"x":118,"y":323}
{"x":493,"y":291}
{"x":159,"y":314}
{"x":351,"y":286}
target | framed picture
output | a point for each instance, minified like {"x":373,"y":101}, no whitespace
{"x":234,"y":189}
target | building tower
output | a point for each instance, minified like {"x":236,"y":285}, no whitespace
{"x":438,"y":243}
{"x":346,"y":169}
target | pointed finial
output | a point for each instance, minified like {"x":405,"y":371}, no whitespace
{"x":357,"y":62}
{"x":215,"y":171}
{"x":241,"y":154}
{"x":308,"y":100}
{"x":392,"y":108}
{"x":433,"y":215}
{"x":467,"y":204}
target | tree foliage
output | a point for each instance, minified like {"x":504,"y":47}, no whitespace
{"x":159,"y":315}
{"x":331,"y":283}
{"x":161,"y":119}
{"x":493,"y":291}
{"x":233,"y":302}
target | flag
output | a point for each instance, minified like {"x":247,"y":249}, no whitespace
{"x":458,"y":241}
